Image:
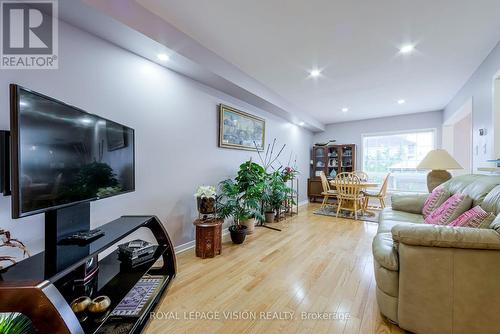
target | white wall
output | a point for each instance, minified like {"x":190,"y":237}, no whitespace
{"x":462,"y":144}
{"x":480,"y":88}
{"x":351,"y":132}
{"x":175,"y":120}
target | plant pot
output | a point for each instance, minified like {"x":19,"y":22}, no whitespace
{"x":250,"y":224}
{"x":206,"y":205}
{"x":269,"y":216}
{"x":238,"y":233}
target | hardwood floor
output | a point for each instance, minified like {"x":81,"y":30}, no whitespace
{"x":318,"y":265}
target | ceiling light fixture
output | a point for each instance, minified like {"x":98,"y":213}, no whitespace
{"x":345,"y":109}
{"x":401,"y":101}
{"x":407,"y":48}
{"x":315,"y":73}
{"x":163,"y":57}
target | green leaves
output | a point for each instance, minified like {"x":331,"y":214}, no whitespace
{"x":15,"y":323}
{"x":243,"y":197}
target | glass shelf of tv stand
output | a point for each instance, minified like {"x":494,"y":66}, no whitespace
{"x":115,"y":280}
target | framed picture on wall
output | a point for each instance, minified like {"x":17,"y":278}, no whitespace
{"x":240,"y":130}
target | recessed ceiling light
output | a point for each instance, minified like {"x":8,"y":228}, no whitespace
{"x":315,"y":73}
{"x":302,"y":123}
{"x":163,"y":57}
{"x":407,"y":48}
{"x":401,"y":101}
{"x":345,"y":109}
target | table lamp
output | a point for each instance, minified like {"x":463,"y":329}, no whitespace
{"x":438,"y":161}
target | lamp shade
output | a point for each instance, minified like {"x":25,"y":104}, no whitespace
{"x":439,"y":159}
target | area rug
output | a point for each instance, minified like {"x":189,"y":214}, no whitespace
{"x":330,"y":210}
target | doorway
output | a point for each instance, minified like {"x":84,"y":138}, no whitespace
{"x":457,"y":137}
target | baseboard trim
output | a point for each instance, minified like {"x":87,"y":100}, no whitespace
{"x":304,"y":202}
{"x":190,"y":244}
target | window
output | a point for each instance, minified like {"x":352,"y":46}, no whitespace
{"x":398,"y":153}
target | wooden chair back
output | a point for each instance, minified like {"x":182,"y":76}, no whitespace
{"x":324,"y":182}
{"x":347,"y":185}
{"x":362,"y":175}
{"x":383,"y":189}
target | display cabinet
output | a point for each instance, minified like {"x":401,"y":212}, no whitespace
{"x":332,"y":160}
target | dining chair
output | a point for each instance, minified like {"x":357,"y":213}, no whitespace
{"x":362,"y":175}
{"x":327,"y":192}
{"x":378,"y":194}
{"x":349,"y":193}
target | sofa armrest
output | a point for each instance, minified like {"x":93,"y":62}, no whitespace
{"x":447,"y":237}
{"x":413,"y":203}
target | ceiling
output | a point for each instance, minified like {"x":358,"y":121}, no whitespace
{"x":354,"y":43}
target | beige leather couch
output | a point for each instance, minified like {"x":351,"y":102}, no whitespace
{"x":439,"y":279}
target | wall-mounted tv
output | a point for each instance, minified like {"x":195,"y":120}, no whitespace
{"x":62,"y":155}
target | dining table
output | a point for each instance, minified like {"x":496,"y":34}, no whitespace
{"x":362,"y":186}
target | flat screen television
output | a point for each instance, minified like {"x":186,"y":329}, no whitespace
{"x":62,"y":155}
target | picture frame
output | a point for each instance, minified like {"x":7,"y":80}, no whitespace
{"x":239,"y":130}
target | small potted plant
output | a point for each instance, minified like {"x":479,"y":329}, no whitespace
{"x":230,"y":205}
{"x":205,"y":199}
{"x":275,"y":194}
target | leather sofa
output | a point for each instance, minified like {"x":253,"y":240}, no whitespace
{"x":439,"y":279}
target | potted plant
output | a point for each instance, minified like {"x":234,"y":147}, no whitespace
{"x":229,"y":205}
{"x":205,"y":199}
{"x":251,"y":183}
{"x":275,"y":194}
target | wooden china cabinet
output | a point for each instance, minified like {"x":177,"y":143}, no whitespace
{"x":332,"y":160}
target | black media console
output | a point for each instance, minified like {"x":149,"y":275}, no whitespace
{"x":42,"y":286}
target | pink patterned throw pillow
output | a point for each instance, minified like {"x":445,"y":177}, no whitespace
{"x":475,"y":217}
{"x":438,"y":196}
{"x":449,"y":210}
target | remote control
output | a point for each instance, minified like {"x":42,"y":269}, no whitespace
{"x":85,"y":236}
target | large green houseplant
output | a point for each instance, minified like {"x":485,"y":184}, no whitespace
{"x":240,"y":199}
{"x":251,"y":183}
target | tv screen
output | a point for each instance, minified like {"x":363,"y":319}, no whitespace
{"x":62,"y":155}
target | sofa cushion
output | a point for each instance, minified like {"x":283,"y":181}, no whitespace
{"x":388,"y":305}
{"x":480,"y":188}
{"x":457,"y":184}
{"x":390,"y":214}
{"x":449,"y":210}
{"x":475,"y":218}
{"x":412,"y":203}
{"x":491,"y":202}
{"x":387,"y":280}
{"x":434,"y":200}
{"x":495,"y":225}
{"x":386,"y":226}
{"x":384,"y":252}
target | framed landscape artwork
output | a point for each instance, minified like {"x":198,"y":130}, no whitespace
{"x":240,"y":130}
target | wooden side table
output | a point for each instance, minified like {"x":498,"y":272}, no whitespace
{"x":208,"y":237}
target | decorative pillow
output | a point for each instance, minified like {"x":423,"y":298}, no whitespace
{"x":438,"y":196}
{"x":475,"y":217}
{"x":449,"y":210}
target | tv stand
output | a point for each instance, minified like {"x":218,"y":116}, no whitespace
{"x":40,"y":286}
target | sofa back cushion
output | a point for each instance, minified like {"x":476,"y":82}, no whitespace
{"x":496,"y":223}
{"x":491,"y":202}
{"x":457,"y":184}
{"x":438,"y":196}
{"x":450,"y":210}
{"x":480,"y":188}
{"x":475,"y":217}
